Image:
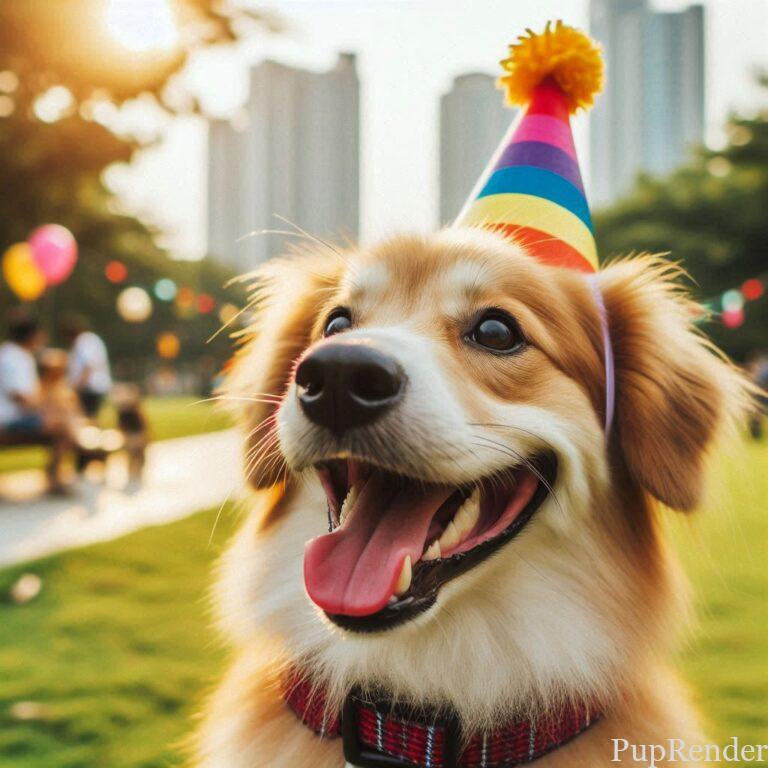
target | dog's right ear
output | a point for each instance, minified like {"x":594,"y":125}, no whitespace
{"x":286,"y":296}
{"x":674,"y":392}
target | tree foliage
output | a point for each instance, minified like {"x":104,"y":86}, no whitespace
{"x":67,"y":43}
{"x":51,"y":166}
{"x":711,"y":216}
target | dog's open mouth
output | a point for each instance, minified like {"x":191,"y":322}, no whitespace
{"x":396,"y":540}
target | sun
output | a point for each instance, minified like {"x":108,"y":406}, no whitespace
{"x":142,"y":25}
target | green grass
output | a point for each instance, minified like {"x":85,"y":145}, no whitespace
{"x":724,"y":551}
{"x":117,"y":650}
{"x":168,"y":417}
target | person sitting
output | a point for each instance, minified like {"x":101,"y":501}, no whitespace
{"x":20,"y":395}
{"x":89,"y":371}
{"x":59,"y":404}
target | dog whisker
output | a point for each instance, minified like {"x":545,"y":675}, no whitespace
{"x":312,"y":237}
{"x":506,"y":450}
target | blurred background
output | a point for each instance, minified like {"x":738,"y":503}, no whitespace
{"x":149,"y":149}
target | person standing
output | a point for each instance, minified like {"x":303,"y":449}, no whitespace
{"x":89,"y":372}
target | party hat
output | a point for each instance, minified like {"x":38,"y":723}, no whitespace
{"x":532,"y":190}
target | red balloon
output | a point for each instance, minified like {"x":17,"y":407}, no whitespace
{"x":54,"y":250}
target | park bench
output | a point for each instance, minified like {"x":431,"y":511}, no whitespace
{"x":40,"y":439}
{"x":21,"y":439}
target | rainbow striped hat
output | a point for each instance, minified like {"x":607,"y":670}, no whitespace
{"x":532,"y":190}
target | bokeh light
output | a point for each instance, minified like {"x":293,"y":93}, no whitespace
{"x":185,"y":297}
{"x":752,"y":289}
{"x":55,"y":103}
{"x":227,"y":313}
{"x":168,"y":345}
{"x":733,"y":318}
{"x":719,"y":166}
{"x":205,"y":303}
{"x":9,"y":81}
{"x":6,"y":105}
{"x":134,"y":304}
{"x":165,"y":289}
{"x":142,"y":25}
{"x":116,"y":271}
{"x":732,"y":300}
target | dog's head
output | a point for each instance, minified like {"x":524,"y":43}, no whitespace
{"x":443,"y":400}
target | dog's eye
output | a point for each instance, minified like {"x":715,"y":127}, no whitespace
{"x":496,"y":331}
{"x":339,"y":320}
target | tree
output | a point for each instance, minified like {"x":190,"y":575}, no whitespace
{"x":711,"y":216}
{"x":59,"y":71}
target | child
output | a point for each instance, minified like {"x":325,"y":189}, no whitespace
{"x":132,"y":422}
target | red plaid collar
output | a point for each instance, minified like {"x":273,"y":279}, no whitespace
{"x":376,"y":733}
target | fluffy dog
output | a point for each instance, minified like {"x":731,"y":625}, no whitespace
{"x":438,"y":403}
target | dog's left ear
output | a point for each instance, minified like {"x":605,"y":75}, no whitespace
{"x":286,"y":296}
{"x":674,"y":390}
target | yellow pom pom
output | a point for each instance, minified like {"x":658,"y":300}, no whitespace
{"x":567,"y":55}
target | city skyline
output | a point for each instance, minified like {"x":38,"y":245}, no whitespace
{"x":472,"y":121}
{"x":293,"y":150}
{"x":651,"y":115}
{"x":408,"y":55}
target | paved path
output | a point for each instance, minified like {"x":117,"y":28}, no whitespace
{"x":181,"y":476}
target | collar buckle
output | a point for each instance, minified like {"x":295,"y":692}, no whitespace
{"x":358,"y":754}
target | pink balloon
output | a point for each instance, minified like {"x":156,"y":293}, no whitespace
{"x":54,"y":250}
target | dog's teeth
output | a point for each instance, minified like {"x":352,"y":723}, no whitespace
{"x":404,"y":580}
{"x":433,"y":551}
{"x":469,"y":513}
{"x":349,"y":502}
{"x":450,"y":537}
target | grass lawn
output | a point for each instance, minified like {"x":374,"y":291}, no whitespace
{"x":168,"y":417}
{"x":116,"y":653}
{"x":725,"y":552}
{"x":116,"y":650}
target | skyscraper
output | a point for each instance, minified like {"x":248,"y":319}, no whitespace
{"x":295,"y":154}
{"x":473,"y":121}
{"x":652,"y":111}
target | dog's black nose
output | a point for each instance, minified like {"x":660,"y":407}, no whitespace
{"x":346,"y":385}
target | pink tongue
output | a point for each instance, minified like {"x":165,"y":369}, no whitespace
{"x":354,"y":570}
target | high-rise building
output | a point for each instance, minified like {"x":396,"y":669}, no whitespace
{"x":295,"y":153}
{"x":473,"y":121}
{"x":652,"y":111}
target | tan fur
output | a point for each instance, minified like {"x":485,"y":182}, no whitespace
{"x":585,"y":602}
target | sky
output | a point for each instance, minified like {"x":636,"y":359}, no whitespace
{"x":408,"y":53}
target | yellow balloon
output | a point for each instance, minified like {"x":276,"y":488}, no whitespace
{"x":21,"y":273}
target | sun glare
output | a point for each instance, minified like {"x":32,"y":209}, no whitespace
{"x":142,"y":25}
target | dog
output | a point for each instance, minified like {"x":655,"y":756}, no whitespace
{"x":439,"y":404}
